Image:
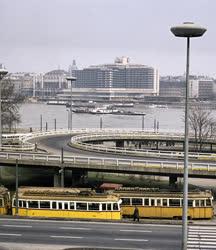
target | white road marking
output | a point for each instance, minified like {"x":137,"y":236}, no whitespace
{"x":1,"y":234}
{"x":201,"y":237}
{"x":204,"y":247}
{"x":202,"y":233}
{"x":136,"y":231}
{"x":65,"y":237}
{"x":124,"y":239}
{"x":16,"y":226}
{"x":75,"y":228}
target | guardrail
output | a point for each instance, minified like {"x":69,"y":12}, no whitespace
{"x":110,"y":163}
{"x":79,"y":142}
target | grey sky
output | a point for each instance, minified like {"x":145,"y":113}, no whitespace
{"x":40,"y":35}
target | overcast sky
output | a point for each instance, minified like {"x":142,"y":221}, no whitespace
{"x":42,"y":35}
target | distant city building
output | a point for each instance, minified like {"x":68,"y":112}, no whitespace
{"x":119,"y":77}
{"x":206,"y":89}
{"x":23,"y":82}
{"x":199,"y":87}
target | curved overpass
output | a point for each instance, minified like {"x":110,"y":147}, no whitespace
{"x":73,"y":159}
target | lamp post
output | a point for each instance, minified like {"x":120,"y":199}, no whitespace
{"x":188,"y":30}
{"x":71,"y":79}
{"x":3,"y":72}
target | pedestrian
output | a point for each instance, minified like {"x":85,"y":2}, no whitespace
{"x":136,"y":214}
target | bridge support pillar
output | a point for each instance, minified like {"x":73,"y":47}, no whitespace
{"x":57,"y":179}
{"x":79,"y":177}
{"x":173,"y":180}
{"x":120,"y":143}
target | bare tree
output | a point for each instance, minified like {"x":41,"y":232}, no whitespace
{"x":10,"y":105}
{"x":201,"y":124}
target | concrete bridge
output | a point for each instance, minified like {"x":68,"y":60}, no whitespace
{"x":82,"y":165}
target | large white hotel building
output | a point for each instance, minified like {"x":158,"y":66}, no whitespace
{"x":118,"y":80}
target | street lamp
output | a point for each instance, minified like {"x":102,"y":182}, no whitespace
{"x":188,"y":30}
{"x":71,"y":79}
{"x":3,"y":72}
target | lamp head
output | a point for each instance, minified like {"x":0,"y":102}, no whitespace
{"x":188,"y":29}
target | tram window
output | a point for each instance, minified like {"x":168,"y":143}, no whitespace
{"x":202,"y":203}
{"x":59,"y":205}
{"x":115,"y":206}
{"x":44,"y":204}
{"x":20,"y":203}
{"x":93,"y":206}
{"x":158,"y":202}
{"x":104,"y":207}
{"x":125,"y":201}
{"x":109,"y":207}
{"x":81,"y":206}
{"x":136,"y":201}
{"x":190,"y":203}
{"x":152,"y":202}
{"x":66,"y":205}
{"x":33,"y":204}
{"x":146,"y":202}
{"x":174,"y":202}
{"x":54,"y":205}
{"x":196,"y":203}
{"x":1,"y":202}
{"x":24,"y":203}
{"x":71,"y":205}
{"x":165,"y":202}
{"x":208,"y":202}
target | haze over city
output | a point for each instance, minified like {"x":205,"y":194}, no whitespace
{"x":39,"y":36}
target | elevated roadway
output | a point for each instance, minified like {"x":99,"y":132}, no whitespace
{"x":76,"y":159}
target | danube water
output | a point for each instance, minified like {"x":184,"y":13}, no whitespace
{"x":161,"y":119}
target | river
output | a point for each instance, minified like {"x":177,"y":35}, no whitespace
{"x":167,"y":119}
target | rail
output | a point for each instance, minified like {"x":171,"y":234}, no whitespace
{"x":79,"y":142}
{"x":108,"y":163}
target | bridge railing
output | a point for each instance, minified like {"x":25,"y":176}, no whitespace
{"x":78,"y":141}
{"x":108,"y":162}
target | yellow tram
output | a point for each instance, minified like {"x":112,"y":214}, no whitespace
{"x":158,"y":204}
{"x":4,"y":200}
{"x":66,"y":203}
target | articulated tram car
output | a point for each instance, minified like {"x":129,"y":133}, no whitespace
{"x":157,"y":204}
{"x":66,"y":203}
{"x":4,"y":200}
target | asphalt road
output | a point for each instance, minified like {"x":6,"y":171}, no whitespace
{"x":29,"y":234}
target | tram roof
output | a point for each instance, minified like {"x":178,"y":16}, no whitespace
{"x":142,"y":192}
{"x":69,"y":194}
{"x":3,"y":190}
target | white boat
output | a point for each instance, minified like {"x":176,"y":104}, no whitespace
{"x":56,"y":103}
{"x":100,"y":111}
